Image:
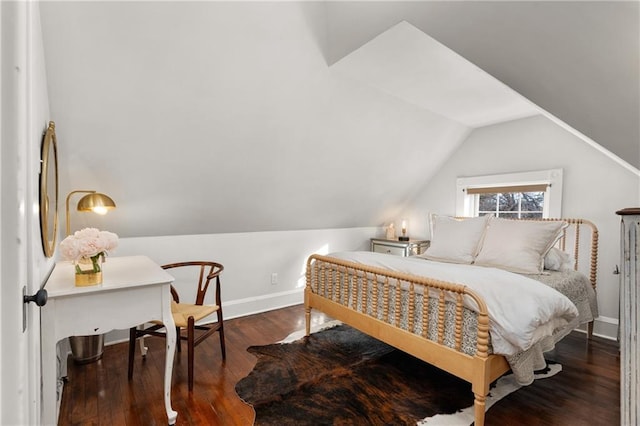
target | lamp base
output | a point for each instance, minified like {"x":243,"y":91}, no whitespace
{"x":403,"y":238}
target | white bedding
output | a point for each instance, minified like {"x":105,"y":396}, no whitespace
{"x":522,"y":311}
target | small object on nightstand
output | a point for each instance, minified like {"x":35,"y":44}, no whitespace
{"x":391,"y":232}
{"x":404,"y":236}
{"x":399,"y":248}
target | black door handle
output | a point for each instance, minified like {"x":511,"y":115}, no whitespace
{"x":40,"y":298}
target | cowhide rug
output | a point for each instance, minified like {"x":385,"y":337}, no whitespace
{"x":342,"y":376}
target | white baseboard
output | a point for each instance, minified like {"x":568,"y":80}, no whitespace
{"x":269,"y":302}
{"x":604,"y":327}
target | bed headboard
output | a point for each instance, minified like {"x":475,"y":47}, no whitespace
{"x":580,"y":240}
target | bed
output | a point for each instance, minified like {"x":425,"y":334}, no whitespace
{"x":490,"y":295}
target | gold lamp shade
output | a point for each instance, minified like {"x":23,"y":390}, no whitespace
{"x":96,"y":202}
{"x":92,"y":202}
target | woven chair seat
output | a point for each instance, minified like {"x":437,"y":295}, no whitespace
{"x":182,"y":311}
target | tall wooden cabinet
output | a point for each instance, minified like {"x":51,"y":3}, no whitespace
{"x":630,"y":317}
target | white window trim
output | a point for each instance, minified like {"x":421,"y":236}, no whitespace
{"x":553,"y":198}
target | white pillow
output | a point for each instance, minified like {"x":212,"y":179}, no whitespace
{"x":558,"y":260}
{"x":455,"y":240}
{"x":518,"y":245}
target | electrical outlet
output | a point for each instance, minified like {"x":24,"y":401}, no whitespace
{"x":274,"y":278}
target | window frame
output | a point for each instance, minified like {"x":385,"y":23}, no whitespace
{"x":466,"y":204}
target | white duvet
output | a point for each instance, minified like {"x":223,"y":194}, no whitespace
{"x":521,"y":310}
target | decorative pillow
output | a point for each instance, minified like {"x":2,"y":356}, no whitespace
{"x":518,"y":245}
{"x":455,"y":240}
{"x":558,"y":260}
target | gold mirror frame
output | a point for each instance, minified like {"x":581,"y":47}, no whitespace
{"x":49,"y":191}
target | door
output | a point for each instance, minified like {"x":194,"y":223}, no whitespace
{"x":23,"y":266}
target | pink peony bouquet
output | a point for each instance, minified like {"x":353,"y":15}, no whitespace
{"x":88,"y":245}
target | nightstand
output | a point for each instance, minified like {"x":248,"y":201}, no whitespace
{"x":399,"y":248}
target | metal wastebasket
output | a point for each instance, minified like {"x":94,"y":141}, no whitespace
{"x":86,"y":349}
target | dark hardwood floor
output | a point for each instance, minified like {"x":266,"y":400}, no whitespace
{"x":586,"y":392}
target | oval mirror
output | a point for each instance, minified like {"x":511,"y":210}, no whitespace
{"x":49,"y":191}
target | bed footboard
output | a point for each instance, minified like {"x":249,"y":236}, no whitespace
{"x":424,"y":317}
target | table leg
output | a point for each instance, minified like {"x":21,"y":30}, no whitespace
{"x":143,"y":348}
{"x":168,"y":369}
{"x":167,"y":320}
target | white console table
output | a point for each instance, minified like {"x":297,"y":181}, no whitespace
{"x":135,"y":290}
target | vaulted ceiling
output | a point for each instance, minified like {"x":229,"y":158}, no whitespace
{"x":406,"y":63}
{"x":578,"y":60}
{"x":207,"y":117}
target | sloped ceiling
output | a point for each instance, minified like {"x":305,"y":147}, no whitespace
{"x":406,"y":63}
{"x":578,"y":60}
{"x":211,"y":117}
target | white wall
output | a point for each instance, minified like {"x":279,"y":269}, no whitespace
{"x":213,"y":117}
{"x":594,"y":188}
{"x":249,"y":260}
{"x":39,"y":116}
{"x":25,"y":113}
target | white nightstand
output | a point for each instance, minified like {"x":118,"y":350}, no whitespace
{"x":399,"y":248}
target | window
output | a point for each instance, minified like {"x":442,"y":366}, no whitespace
{"x":517,"y":195}
{"x":526,"y":201}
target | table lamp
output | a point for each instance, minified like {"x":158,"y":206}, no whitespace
{"x":92,"y":202}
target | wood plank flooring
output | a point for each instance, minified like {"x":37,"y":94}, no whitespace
{"x":586,"y":392}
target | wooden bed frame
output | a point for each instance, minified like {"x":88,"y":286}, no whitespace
{"x":327,"y":275}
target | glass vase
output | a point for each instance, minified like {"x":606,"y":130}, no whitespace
{"x":88,"y":271}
